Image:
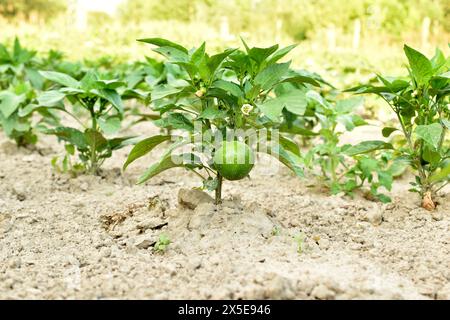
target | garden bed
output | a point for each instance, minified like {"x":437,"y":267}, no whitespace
{"x":93,"y":237}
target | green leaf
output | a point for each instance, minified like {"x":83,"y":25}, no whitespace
{"x":173,"y":54}
{"x":294,"y":101}
{"x":23,"y":112}
{"x":228,"y":86}
{"x":175,"y":121}
{"x":50,"y":98}
{"x":118,"y":143}
{"x":387,"y":131}
{"x":443,"y":174}
{"x":286,"y":151}
{"x":385,"y":179}
{"x":60,"y":78}
{"x":421,"y":67}
{"x":431,"y":134}
{"x":272,"y":75}
{"x":280,"y":54}
{"x":163,"y":91}
{"x":289,"y":159}
{"x":95,"y":139}
{"x":143,"y":147}
{"x":368,"y":165}
{"x":216,"y":60}
{"x":212,"y":113}
{"x":113,"y":97}
{"x":367,"y":146}
{"x":261,"y":54}
{"x":198,"y":54}
{"x":35,"y":78}
{"x":9,"y":102}
{"x":109,"y":125}
{"x":301,"y":79}
{"x":431,"y":156}
{"x":289,"y":145}
{"x":110,"y":84}
{"x":160,"y":42}
{"x":168,"y":162}
{"x":89,"y":81}
{"x":71,"y":135}
{"x":438,"y":61}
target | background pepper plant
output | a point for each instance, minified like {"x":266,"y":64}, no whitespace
{"x":20,"y":82}
{"x":19,"y":65}
{"x":421,"y":104}
{"x":228,"y":91}
{"x":92,"y":99}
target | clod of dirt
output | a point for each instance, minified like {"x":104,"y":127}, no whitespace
{"x":374,"y":215}
{"x":191,"y":198}
{"x":444,"y":292}
{"x":19,"y":191}
{"x":323,"y":293}
{"x":427,"y":202}
{"x":143,"y":243}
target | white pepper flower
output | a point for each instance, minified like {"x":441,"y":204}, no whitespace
{"x":246,"y":109}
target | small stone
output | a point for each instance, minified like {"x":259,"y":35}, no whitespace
{"x":14,"y":263}
{"x":84,"y":186}
{"x":324,"y":243}
{"x":191,"y":198}
{"x":145,"y":244}
{"x":323,"y":293}
{"x":374,"y":216}
{"x":171,"y":269}
{"x":20,"y":192}
{"x":195,"y":263}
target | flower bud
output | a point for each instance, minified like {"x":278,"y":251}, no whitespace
{"x":200,"y":92}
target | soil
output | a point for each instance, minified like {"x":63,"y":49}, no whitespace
{"x":274,"y":237}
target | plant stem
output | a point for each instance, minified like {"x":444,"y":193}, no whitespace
{"x":219,"y":189}
{"x":93,"y":158}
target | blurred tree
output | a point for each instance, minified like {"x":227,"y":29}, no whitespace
{"x":27,"y":8}
{"x":301,"y":18}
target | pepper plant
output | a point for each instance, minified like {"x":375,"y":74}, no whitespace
{"x":421,"y":105}
{"x":16,"y":118}
{"x":344,"y":167}
{"x":215,"y":95}
{"x":19,"y":65}
{"x":92,"y":99}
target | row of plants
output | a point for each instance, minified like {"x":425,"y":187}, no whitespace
{"x":200,"y":101}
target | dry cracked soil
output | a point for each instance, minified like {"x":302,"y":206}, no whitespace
{"x":274,"y":237}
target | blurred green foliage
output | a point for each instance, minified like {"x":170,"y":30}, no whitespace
{"x":11,"y":9}
{"x":301,"y":18}
{"x":324,"y":29}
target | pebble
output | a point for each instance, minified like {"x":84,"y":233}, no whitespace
{"x":375,"y":216}
{"x":323,"y":293}
{"x":324,"y":243}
